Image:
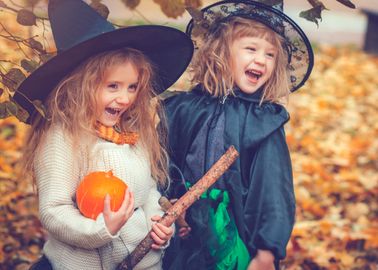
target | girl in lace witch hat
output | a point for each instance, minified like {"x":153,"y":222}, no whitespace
{"x":249,"y":57}
{"x":99,"y":117}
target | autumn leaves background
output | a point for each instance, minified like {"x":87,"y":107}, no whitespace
{"x":333,"y":137}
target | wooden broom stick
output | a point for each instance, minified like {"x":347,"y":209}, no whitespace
{"x":165,"y":205}
{"x":181,"y":205}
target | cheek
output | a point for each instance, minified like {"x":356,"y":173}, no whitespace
{"x":237,"y":65}
{"x":271,"y":67}
{"x":133,"y":98}
{"x":104,"y":99}
{"x":99,"y":100}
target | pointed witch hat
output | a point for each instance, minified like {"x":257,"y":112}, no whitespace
{"x":80,"y":32}
{"x":297,"y":45}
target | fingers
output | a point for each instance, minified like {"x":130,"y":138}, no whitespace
{"x":160,"y":234}
{"x":128,"y":202}
{"x":127,"y":206}
{"x":115,"y":220}
{"x":184,"y":232}
{"x":156,"y":218}
{"x":127,"y":199}
{"x":107,"y":209}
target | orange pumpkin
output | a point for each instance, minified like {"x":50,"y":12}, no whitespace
{"x":92,"y":190}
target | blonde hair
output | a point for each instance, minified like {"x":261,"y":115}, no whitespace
{"x":211,"y":63}
{"x":73,"y":105}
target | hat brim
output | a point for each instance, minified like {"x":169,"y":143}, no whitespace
{"x":169,"y":50}
{"x":301,"y":57}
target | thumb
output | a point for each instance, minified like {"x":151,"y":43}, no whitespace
{"x":107,"y":209}
{"x":156,"y":218}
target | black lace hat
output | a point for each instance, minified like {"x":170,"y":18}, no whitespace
{"x":300,"y":54}
{"x":80,"y":32}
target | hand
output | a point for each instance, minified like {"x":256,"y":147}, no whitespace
{"x":115,"y":220}
{"x":263,"y":260}
{"x":160,"y":233}
{"x":184,"y":232}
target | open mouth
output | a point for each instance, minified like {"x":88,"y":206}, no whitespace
{"x":254,"y":75}
{"x":112,"y":111}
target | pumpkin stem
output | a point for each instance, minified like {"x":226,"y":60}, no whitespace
{"x":109,"y":174}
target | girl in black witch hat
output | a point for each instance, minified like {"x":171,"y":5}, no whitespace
{"x":97,"y":92}
{"x":250,"y":57}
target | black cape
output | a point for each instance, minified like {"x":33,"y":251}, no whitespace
{"x":259,"y":183}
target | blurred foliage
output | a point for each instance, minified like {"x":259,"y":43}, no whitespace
{"x":33,"y":42}
{"x":333,"y":137}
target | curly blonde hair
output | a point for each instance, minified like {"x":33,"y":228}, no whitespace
{"x":73,"y":105}
{"x":211,"y":63}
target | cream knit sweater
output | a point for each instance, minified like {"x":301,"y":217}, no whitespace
{"x":74,"y":241}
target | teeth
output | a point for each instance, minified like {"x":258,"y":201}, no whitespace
{"x":112,"y":110}
{"x":254,"y":73}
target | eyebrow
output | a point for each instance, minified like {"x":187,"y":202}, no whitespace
{"x":132,"y":84}
{"x":272,"y":48}
{"x":120,"y":82}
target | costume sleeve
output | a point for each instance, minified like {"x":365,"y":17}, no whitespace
{"x":270,"y":203}
{"x":57,"y":174}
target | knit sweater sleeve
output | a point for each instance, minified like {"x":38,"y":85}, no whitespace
{"x":151,"y":206}
{"x":57,"y":171}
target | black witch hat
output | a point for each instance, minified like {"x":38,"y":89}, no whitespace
{"x":80,"y":32}
{"x":301,"y":57}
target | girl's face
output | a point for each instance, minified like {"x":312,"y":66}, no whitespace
{"x":253,"y":61}
{"x":118,"y":91}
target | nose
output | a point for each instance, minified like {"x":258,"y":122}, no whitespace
{"x":260,"y":58}
{"x":123,"y":98}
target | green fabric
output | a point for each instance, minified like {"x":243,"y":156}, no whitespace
{"x":228,"y":249}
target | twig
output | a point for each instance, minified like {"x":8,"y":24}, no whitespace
{"x":181,"y":205}
{"x":144,"y":17}
{"x":316,"y":3}
{"x":10,"y":34}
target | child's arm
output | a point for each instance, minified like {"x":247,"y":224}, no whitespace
{"x":272,"y":187}
{"x":57,"y":174}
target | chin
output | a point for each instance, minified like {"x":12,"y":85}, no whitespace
{"x":249,"y":90}
{"x":108,"y":123}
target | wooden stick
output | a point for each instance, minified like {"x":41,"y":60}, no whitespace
{"x":181,"y":205}
{"x":165,"y":205}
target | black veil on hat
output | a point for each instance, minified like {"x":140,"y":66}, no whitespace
{"x":80,"y":32}
{"x":301,"y":57}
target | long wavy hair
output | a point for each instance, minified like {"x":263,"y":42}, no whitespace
{"x":72,"y":105}
{"x":212,"y":63}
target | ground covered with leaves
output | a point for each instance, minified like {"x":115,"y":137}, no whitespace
{"x":333,"y":136}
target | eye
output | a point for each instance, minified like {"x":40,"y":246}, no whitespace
{"x":133,"y":87}
{"x":112,"y":85}
{"x":270,"y":55}
{"x":252,"y":49}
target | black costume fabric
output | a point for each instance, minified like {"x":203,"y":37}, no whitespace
{"x":259,"y":184}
